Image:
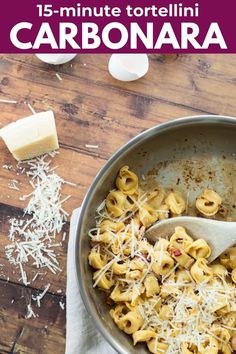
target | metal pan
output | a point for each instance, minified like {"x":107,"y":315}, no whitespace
{"x":188,"y":154}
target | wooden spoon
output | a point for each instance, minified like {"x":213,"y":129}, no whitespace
{"x":220,"y":235}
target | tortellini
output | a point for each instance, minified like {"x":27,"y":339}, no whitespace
{"x":233,"y":275}
{"x":176,"y":203}
{"x":180,"y":256}
{"x":169,"y":288}
{"x":221,"y":333}
{"x":209,"y":346}
{"x":162,"y":245}
{"x":226,"y":349}
{"x":151,"y":285}
{"x":199,"y":249}
{"x":108,"y":225}
{"x":118,"y":295}
{"x":156,"y":198}
{"x":219,"y":270}
{"x":200,"y":271}
{"x":129,"y":322}
{"x":120,"y":268}
{"x":143,"y":336}
{"x":127,"y":181}
{"x":229,"y":319}
{"x":147,"y":215}
{"x":162,"y":263}
{"x":134,"y":275}
{"x":103,"y":282}
{"x":116,"y":203}
{"x":181,"y":237}
{"x":121,"y":243}
{"x":182,"y":276}
{"x":106,"y":237}
{"x":163,"y":294}
{"x":166,"y":312}
{"x":189,"y":348}
{"x":96,"y":260}
{"x":228,"y":258}
{"x":208,"y":203}
{"x":137,"y":264}
{"x":157,"y":347}
{"x":233,"y":342}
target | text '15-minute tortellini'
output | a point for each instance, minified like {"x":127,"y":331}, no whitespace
{"x":165,"y":294}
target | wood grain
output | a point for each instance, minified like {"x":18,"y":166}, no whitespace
{"x":96,"y":109}
{"x":90,"y":108}
{"x":36,"y":335}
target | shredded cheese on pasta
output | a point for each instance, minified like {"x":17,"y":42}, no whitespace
{"x":188,"y":303}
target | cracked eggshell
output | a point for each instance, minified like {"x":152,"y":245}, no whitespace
{"x":56,"y":59}
{"x":128,"y":67}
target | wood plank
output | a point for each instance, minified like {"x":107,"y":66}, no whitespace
{"x":35,"y":335}
{"x":197,"y":75}
{"x":39,"y":341}
{"x":88,"y":112}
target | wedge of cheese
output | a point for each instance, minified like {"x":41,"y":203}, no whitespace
{"x":31,"y":136}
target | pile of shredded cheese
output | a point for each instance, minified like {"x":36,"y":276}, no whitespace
{"x":33,"y":237}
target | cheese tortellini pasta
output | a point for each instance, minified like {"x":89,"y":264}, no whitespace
{"x":127,"y":181}
{"x":151,"y":285}
{"x":208,"y":203}
{"x":176,"y":203}
{"x":164,"y":294}
{"x":199,"y":249}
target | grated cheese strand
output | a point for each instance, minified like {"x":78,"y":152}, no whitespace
{"x":39,"y":297}
{"x":30,"y":312}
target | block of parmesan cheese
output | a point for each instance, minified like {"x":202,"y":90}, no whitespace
{"x":31,"y":136}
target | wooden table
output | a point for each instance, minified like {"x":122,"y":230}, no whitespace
{"x":91,"y":108}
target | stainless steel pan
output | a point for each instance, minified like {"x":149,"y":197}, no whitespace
{"x":189,"y":154}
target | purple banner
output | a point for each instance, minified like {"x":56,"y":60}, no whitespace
{"x":108,"y":26}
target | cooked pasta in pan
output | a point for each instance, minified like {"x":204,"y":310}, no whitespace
{"x":165,"y":294}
